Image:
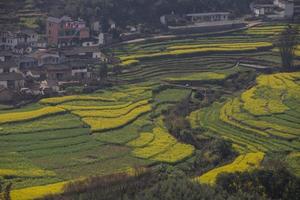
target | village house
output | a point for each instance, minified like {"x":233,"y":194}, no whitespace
{"x":263,"y":9}
{"x":26,"y":62}
{"x":5,"y":56}
{"x":8,"y":67}
{"x":84,"y":53}
{"x":68,"y":71}
{"x":6,"y":95}
{"x":65,"y":31}
{"x":22,"y":48}
{"x":277,"y":9}
{"x":44,"y":57}
{"x":10,"y":39}
{"x":297,"y":9}
{"x":172,"y":19}
{"x":10,"y":76}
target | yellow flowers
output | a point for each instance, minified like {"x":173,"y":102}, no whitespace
{"x":254,"y":111}
{"x":111,"y":113}
{"x":23,"y":116}
{"x":242,"y":163}
{"x":102,"y":124}
{"x":129,"y":63}
{"x":223,"y":45}
{"x":37,"y":191}
{"x":199,"y":77}
{"x":143,"y":140}
{"x":265,"y":30}
{"x":176,"y":153}
{"x":164,"y":148}
{"x":59,"y":100}
{"x":25,"y":172}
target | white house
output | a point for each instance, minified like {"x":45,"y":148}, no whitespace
{"x":263,"y":9}
{"x":280,"y":9}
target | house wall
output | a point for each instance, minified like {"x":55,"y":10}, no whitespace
{"x":48,"y":59}
{"x":289,"y":10}
{"x":209,"y":18}
{"x":84,"y":33}
{"x":97,"y":55}
{"x":52,"y":32}
{"x":3,"y":83}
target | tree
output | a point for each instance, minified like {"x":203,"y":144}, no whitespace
{"x":103,"y":71}
{"x":287,"y":43}
{"x":117,"y":69}
{"x":5,"y":191}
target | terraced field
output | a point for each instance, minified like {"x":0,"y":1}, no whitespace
{"x":242,"y":163}
{"x":64,"y":138}
{"x":263,"y":118}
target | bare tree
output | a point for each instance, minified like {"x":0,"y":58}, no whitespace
{"x":287,"y":44}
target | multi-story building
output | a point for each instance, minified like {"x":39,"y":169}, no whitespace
{"x":279,"y":9}
{"x":65,"y":31}
{"x":10,"y":39}
{"x":297,"y":8}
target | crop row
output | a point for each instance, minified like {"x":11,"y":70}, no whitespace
{"x":114,"y":113}
{"x":30,"y":115}
{"x":163,"y":147}
{"x":196,"y":51}
{"x":210,"y":119}
{"x":99,"y":124}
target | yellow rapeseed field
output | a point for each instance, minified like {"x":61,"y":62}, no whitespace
{"x":102,"y":124}
{"x":176,"y":153}
{"x":37,"y":191}
{"x":114,"y":107}
{"x":164,"y":147}
{"x":223,"y":45}
{"x":242,"y":163}
{"x":111,"y":113}
{"x":25,"y":172}
{"x":129,"y":63}
{"x":142,"y":140}
{"x":193,"y":49}
{"x":29,"y":115}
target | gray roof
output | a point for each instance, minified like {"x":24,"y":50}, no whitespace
{"x":13,"y":76}
{"x":78,"y":50}
{"x":59,"y":20}
{"x":207,"y":14}
{"x":264,"y":6}
{"x":53,"y":19}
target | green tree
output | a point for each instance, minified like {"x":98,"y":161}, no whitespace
{"x":287,"y":43}
{"x":5,"y":191}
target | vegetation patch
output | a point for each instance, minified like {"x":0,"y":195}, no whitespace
{"x":242,"y":163}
